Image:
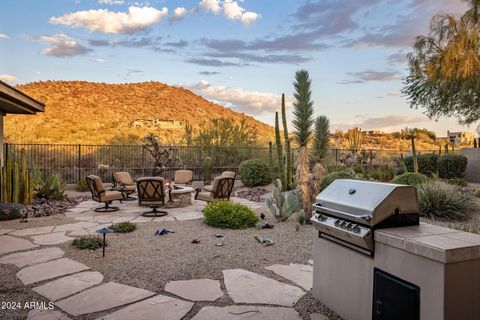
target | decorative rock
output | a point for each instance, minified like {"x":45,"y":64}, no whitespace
{"x":5,"y":231}
{"x":158,"y":307}
{"x":49,"y":270}
{"x":43,"y":314}
{"x":104,"y":297}
{"x":32,"y":231}
{"x":10,"y":244}
{"x":51,"y":238}
{"x":10,"y":211}
{"x":300,"y":274}
{"x":69,"y":285}
{"x":196,"y":290}
{"x":22,"y":259}
{"x":318,"y":316}
{"x":248,"y":287}
{"x":74,"y":226}
{"x":246,"y":312}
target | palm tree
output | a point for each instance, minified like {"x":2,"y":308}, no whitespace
{"x":302,"y":124}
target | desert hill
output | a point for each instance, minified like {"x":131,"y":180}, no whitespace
{"x":97,"y":113}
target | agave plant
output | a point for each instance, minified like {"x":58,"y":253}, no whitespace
{"x":283,"y":204}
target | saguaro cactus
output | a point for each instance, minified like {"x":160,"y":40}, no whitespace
{"x":17,"y":185}
{"x":354,"y":139}
{"x":288,"y":153}
{"x":281,"y":163}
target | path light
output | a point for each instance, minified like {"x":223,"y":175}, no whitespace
{"x":104,"y":231}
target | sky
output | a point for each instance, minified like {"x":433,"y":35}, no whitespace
{"x":241,"y":54}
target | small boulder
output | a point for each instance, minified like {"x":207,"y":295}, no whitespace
{"x":10,"y":211}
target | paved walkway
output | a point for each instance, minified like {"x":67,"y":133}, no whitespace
{"x":77,"y":290}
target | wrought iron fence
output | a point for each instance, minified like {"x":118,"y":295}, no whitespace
{"x":74,"y":162}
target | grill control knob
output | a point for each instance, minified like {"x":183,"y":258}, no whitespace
{"x":356,"y":229}
{"x":338,"y":222}
{"x":349,"y":226}
{"x":344,"y":224}
{"x":323,"y":218}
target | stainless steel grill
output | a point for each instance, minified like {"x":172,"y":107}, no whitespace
{"x":349,"y":211}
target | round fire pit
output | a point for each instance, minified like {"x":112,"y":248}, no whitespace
{"x":179,"y":197}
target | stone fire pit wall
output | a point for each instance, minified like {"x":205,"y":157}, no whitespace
{"x":444,"y":263}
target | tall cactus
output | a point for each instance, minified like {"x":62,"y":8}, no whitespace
{"x":414,"y":153}
{"x":270,"y":155}
{"x":17,"y":185}
{"x":288,"y":153}
{"x":281,"y":163}
{"x":354,"y":139}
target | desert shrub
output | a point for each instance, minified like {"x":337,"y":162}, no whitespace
{"x":52,"y":188}
{"x":123,"y":227}
{"x":10,"y":211}
{"x":477,"y":193}
{"x":226,"y":214}
{"x":410,"y":178}
{"x":427,"y":163}
{"x":81,"y":185}
{"x":255,"y":173}
{"x":452,"y":166}
{"x":384,"y":173}
{"x":88,"y":242}
{"x":465,"y":227}
{"x":329,"y":178}
{"x":457,"y":182}
{"x":436,"y":199}
{"x":336,"y":168}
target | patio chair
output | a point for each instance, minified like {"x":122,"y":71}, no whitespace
{"x":99,"y":194}
{"x":229,"y":174}
{"x":122,"y":181}
{"x":151,"y":193}
{"x":183,"y":177}
{"x":221,"y":189}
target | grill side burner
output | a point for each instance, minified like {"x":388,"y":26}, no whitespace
{"x":348,"y":211}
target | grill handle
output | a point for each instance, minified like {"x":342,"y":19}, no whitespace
{"x":365,"y":217}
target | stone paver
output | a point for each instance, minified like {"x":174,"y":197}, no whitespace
{"x":318,"y":316}
{"x":49,"y":270}
{"x":246,"y":312}
{"x":79,"y":233}
{"x":141,"y":219}
{"x":66,"y":286}
{"x":163,"y":219}
{"x":32,"y":231}
{"x":301,"y":274}
{"x":158,"y":308}
{"x":310,"y":262}
{"x":5,"y":231}
{"x":74,"y":226}
{"x":40,"y":314}
{"x":248,"y":287}
{"x":189,"y":216}
{"x":11,"y":244}
{"x":51,"y":238}
{"x":103,"y":297}
{"x":196,"y":290}
{"x":26,"y":258}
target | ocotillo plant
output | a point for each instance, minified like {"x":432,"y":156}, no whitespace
{"x":288,"y":153}
{"x":281,"y":164}
{"x":354,"y":139}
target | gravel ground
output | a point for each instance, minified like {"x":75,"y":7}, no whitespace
{"x":37,"y":222}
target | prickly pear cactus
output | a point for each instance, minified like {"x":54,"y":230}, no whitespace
{"x":283,"y":204}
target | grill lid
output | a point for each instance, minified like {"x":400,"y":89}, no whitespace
{"x":365,"y":201}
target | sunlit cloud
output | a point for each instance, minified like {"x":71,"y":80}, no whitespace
{"x":9,"y":79}
{"x":4,"y":36}
{"x":62,"y":45}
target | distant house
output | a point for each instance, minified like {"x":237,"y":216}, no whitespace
{"x":461,"y":137}
{"x":160,"y":123}
{"x":373,"y":132}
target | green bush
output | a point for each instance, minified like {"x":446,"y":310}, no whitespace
{"x":123,"y":227}
{"x":427,"y":163}
{"x":226,"y":214}
{"x":52,"y":188}
{"x":81,"y":185}
{"x":452,"y":166}
{"x":477,"y":193}
{"x":255,"y":173}
{"x":457,"y":182}
{"x":329,"y":178}
{"x":88,"y":242}
{"x":436,"y":199}
{"x":410,"y":178}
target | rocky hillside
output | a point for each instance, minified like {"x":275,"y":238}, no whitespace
{"x":99,"y":113}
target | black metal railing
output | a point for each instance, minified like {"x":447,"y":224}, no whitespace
{"x":75,"y":161}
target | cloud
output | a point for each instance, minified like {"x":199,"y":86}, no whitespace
{"x":11,"y":80}
{"x":4,"y":36}
{"x":239,"y":99}
{"x":132,"y":42}
{"x":211,"y":6}
{"x":99,"y":60}
{"x":232,"y":11}
{"x":215,"y":62}
{"x":384,"y":123}
{"x":178,"y":15}
{"x":209,"y":73}
{"x":399,"y":57}
{"x":177,"y":44}
{"x":248,"y":18}
{"x":111,"y":2}
{"x":106,"y":21}
{"x":394,"y":94}
{"x":371,"y":75}
{"x":62,"y":45}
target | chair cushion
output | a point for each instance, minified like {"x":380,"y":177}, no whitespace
{"x":123,"y":178}
{"x":98,"y":184}
{"x":205,"y":196}
{"x":109,"y":196}
{"x":230,"y":174}
{"x":183,"y":176}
